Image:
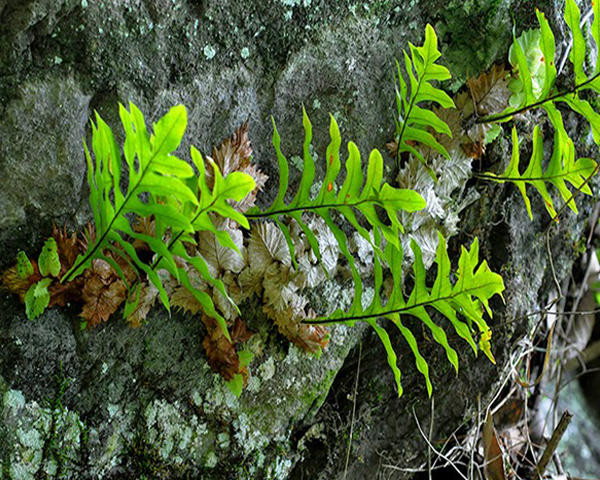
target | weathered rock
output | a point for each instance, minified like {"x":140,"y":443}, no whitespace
{"x":116,"y":402}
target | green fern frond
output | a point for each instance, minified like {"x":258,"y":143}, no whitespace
{"x":355,"y":195}
{"x":414,"y":122}
{"x":532,"y":55}
{"x":468,"y":297}
{"x":160,"y":185}
{"x":152,"y":169}
{"x":562,"y":168}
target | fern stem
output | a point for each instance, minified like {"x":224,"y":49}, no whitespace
{"x":284,"y":211}
{"x":501,"y":116}
{"x":484,"y":176}
{"x":410,"y":107}
{"x":99,"y":242}
{"x":404,"y":309}
{"x":172,"y":242}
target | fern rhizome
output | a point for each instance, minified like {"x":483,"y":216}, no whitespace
{"x":194,"y":238}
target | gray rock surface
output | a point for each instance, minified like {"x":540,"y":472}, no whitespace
{"x":121,"y":403}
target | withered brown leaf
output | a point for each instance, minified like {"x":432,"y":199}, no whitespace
{"x":11,"y":281}
{"x":490,"y":90}
{"x":267,"y":245}
{"x":148,"y":294}
{"x":494,"y":464}
{"x":310,"y":338}
{"x":220,"y":352}
{"x":68,"y":247}
{"x":103,"y":292}
{"x":183,"y":299}
{"x":234,"y":155}
{"x":147,"y":226}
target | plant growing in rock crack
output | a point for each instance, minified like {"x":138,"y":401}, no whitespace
{"x":174,"y":232}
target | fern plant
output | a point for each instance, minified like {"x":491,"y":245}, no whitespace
{"x":413,"y":122}
{"x":534,"y":88}
{"x":467,"y":297}
{"x":37,"y":297}
{"x":162,"y":186}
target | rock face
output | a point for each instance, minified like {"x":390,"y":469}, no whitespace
{"x":121,"y":403}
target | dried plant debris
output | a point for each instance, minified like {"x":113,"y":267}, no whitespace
{"x":57,"y":256}
{"x":147,"y":296}
{"x":234,"y":155}
{"x":103,"y":292}
{"x":489,"y":91}
{"x":270,"y":264}
{"x":221,"y":353}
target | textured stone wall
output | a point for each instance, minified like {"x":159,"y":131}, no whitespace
{"x":115,"y":402}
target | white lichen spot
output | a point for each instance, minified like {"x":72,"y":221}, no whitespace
{"x":296,"y":3}
{"x":197,"y":398}
{"x":104,"y":368}
{"x":166,"y":447}
{"x":267,"y":369}
{"x":316,"y":104}
{"x":279,"y":468}
{"x":245,"y":53}
{"x":13,"y":401}
{"x":296,"y":161}
{"x":112,"y":410}
{"x":211,"y":460}
{"x":223,"y":440}
{"x":84,"y":3}
{"x":29,"y":438}
{"x":247,"y":435}
{"x":51,"y":468}
{"x":253,"y":384}
{"x":209,"y":52}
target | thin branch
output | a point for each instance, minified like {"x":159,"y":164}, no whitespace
{"x":554,"y":441}
{"x":439,"y":454}
{"x":353,"y":410}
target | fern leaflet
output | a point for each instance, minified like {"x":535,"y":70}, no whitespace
{"x":536,"y":89}
{"x":414,"y":121}
{"x":562,"y":168}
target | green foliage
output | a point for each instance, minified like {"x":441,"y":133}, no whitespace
{"x":355,"y":195}
{"x":532,"y":56}
{"x":526,"y":54}
{"x":48,"y":261}
{"x":468,"y":297}
{"x":561,"y":169}
{"x":37,"y":298}
{"x":161,"y":186}
{"x":236,"y":384}
{"x":414,"y":121}
{"x":144,"y":179}
{"x":24,"y":267}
